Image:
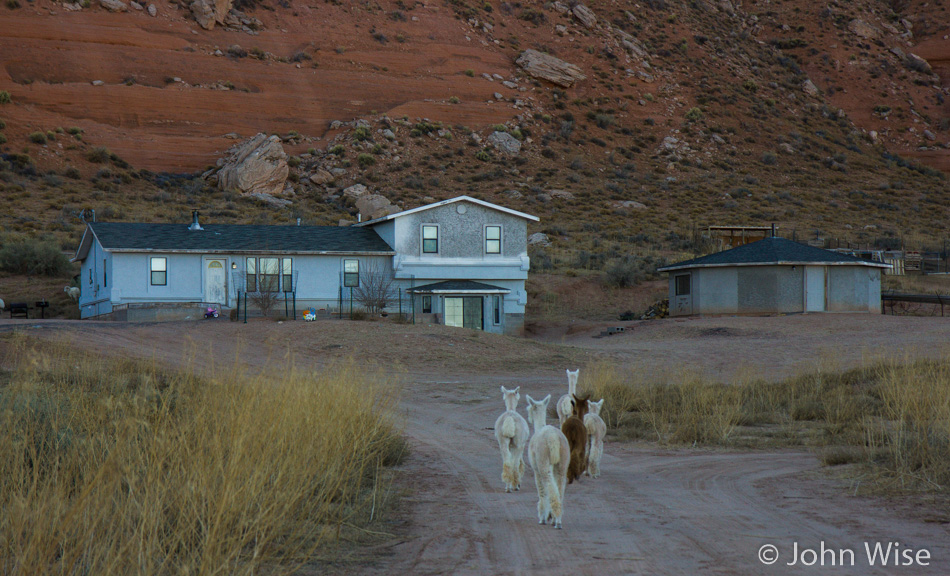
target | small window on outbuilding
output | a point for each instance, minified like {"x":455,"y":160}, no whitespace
{"x":427,"y":304}
{"x":681,"y":285}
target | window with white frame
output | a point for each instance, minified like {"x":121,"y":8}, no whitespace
{"x":430,"y":239}
{"x":268,"y":271}
{"x":158,"y":268}
{"x":351,"y":273}
{"x":287,"y":274}
{"x":250,"y":274}
{"x":492,"y":239}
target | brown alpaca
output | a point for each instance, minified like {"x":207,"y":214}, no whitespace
{"x":576,"y":433}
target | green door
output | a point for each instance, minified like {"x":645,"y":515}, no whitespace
{"x":464,"y":312}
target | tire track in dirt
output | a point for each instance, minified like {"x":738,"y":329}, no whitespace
{"x":651,"y":511}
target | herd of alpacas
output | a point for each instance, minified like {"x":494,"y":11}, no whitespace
{"x":558,"y":456}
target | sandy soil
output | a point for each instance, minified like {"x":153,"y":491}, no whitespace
{"x":653,"y":511}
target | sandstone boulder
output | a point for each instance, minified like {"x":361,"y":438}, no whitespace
{"x":321,"y":177}
{"x":373,"y":206}
{"x":539,"y":239}
{"x":353,"y":193}
{"x":505,"y":143}
{"x":547,"y":67}
{"x":256,"y":166}
{"x":210,"y":12}
{"x":585,"y":15}
{"x":114,"y":5}
{"x":864,"y":30}
{"x":809,"y":87}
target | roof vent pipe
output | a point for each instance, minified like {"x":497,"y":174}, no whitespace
{"x":359,"y":217}
{"x":194,"y":221}
{"x":773,"y":229}
{"x":298,"y":221}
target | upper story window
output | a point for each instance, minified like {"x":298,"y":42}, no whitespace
{"x":430,"y":239}
{"x":492,"y":239}
{"x":158,"y":268}
{"x":351,"y":273}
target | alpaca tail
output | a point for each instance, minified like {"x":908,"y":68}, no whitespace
{"x":508,"y":427}
{"x":554,"y":448}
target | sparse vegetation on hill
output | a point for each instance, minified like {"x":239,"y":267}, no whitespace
{"x":819,"y":119}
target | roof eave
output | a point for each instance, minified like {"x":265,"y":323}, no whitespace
{"x":446,"y":202}
{"x":238,"y":251}
{"x":776,"y":263}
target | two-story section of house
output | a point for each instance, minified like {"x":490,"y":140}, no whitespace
{"x":463,"y":261}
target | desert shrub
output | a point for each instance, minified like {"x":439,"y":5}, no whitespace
{"x":361,"y":133}
{"x":3,"y":139}
{"x":2,"y":124}
{"x":231,"y":474}
{"x":454,"y":100}
{"x":469,"y":72}
{"x":482,"y":155}
{"x":365,"y":160}
{"x":750,"y":85}
{"x":769,"y":158}
{"x":293,"y":161}
{"x":694,"y":114}
{"x":98,"y":155}
{"x":38,"y":138}
{"x":5,"y":97}
{"x":337,"y":150}
{"x":34,"y":257}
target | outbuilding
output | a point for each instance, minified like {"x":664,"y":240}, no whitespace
{"x":774,"y":276}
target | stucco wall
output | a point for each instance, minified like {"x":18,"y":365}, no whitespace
{"x":778,"y":289}
{"x":714,"y":290}
{"x":854,"y":289}
{"x":461,"y":235}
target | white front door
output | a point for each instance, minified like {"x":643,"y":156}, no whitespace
{"x":216,"y":285}
{"x":814,"y":288}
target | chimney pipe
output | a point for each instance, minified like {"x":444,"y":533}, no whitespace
{"x":773,"y":229}
{"x":194,"y":221}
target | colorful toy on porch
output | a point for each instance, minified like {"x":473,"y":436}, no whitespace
{"x":309,"y":315}
{"x":211,"y":312}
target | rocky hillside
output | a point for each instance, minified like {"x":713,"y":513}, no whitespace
{"x":627,"y":127}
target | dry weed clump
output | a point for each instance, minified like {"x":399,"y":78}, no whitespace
{"x":118,"y":467}
{"x":893,"y":417}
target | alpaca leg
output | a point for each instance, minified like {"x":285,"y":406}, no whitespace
{"x":557,"y":504}
{"x":520,"y":473}
{"x":542,"y":512}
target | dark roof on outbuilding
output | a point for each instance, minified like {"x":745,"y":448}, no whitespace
{"x":772,"y":251}
{"x":459,"y":287}
{"x":221,"y":238}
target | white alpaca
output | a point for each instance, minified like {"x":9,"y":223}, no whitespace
{"x":564,"y":405}
{"x":511,"y":431}
{"x":72,"y":291}
{"x":549,"y":454}
{"x":596,"y":430}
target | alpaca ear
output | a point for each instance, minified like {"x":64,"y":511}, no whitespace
{"x":531,"y":400}
{"x":503,"y":391}
{"x":516,"y":390}
{"x":546,"y":400}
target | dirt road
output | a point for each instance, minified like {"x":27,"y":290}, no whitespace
{"x":653,"y":511}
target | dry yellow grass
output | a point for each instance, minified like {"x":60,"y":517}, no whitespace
{"x":119,"y":467}
{"x":892,"y":416}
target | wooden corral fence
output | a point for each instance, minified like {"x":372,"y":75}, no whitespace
{"x":913,"y":303}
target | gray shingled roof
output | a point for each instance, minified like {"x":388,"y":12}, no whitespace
{"x":458,"y":286}
{"x":127,"y":236}
{"x":771,"y":251}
